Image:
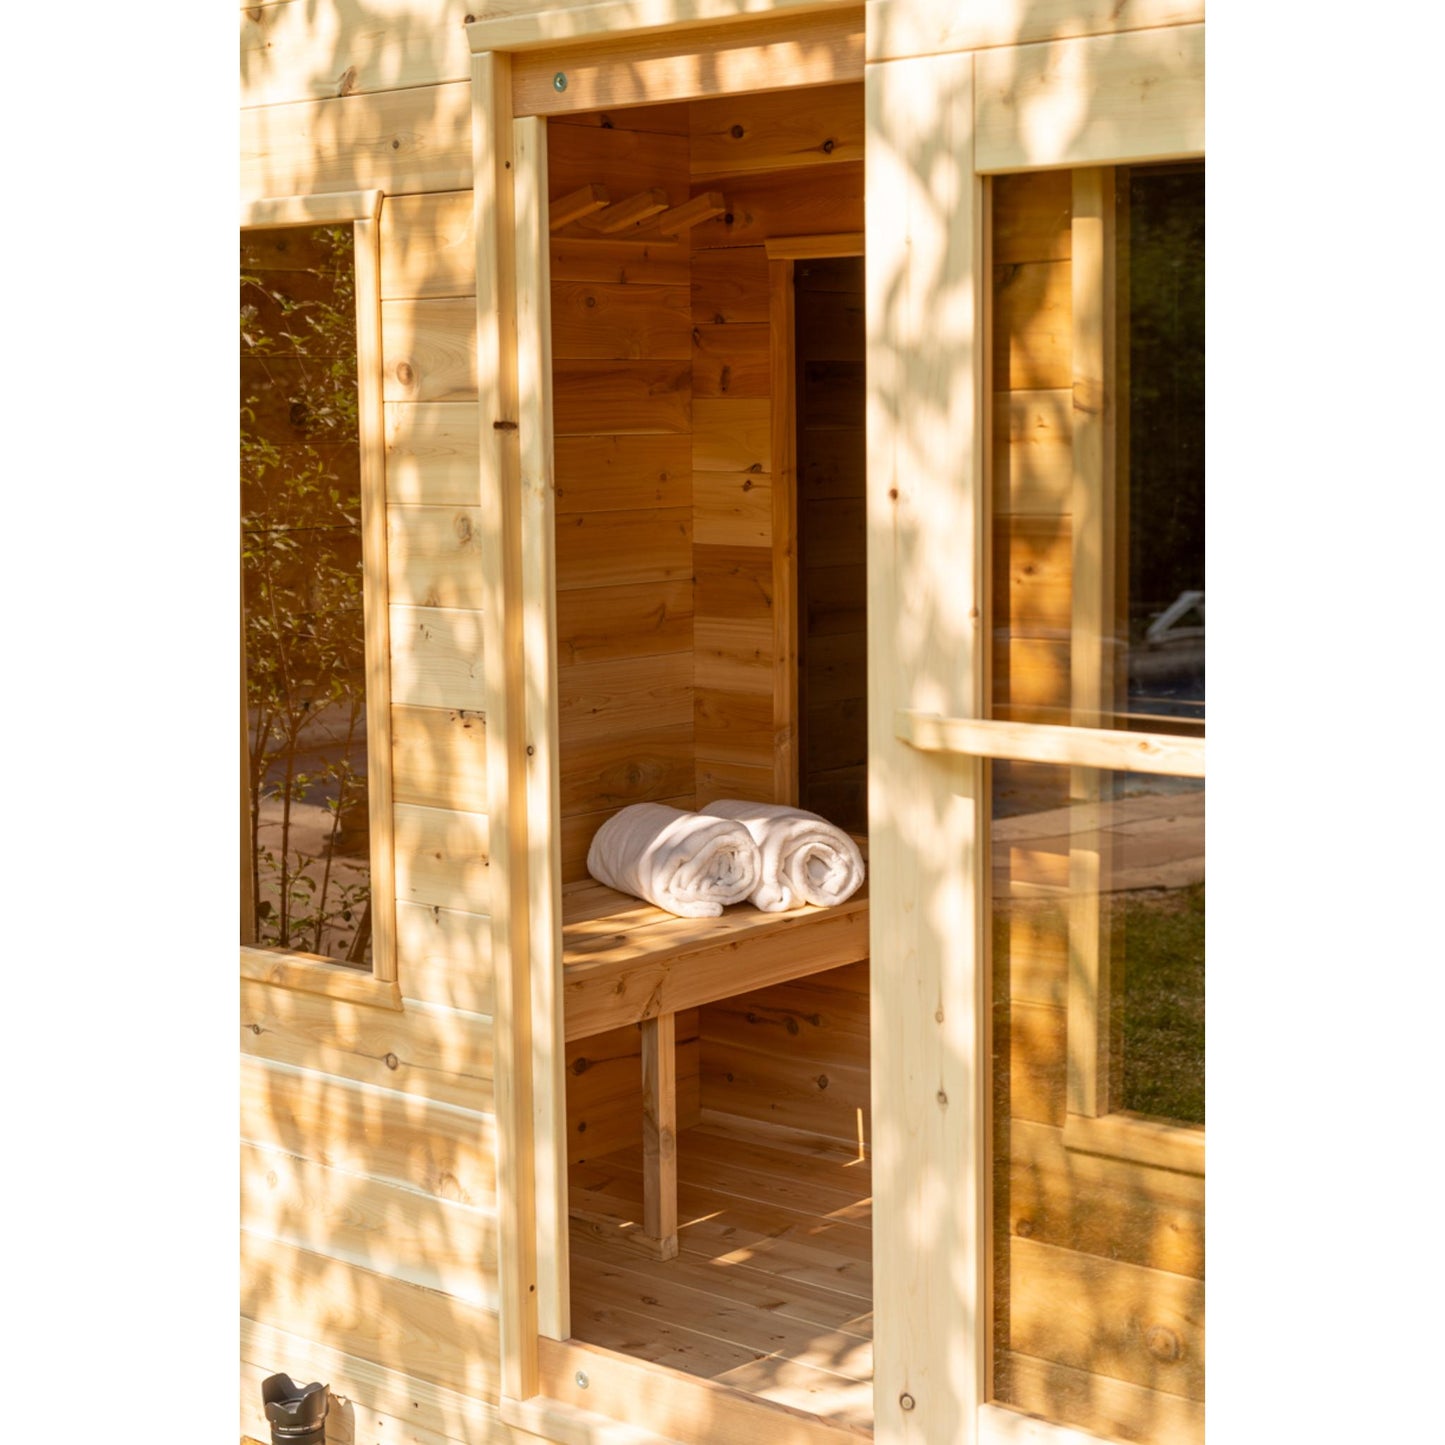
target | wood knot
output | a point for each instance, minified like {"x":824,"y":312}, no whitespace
{"x":404,"y":373}
{"x":821,"y":1081}
{"x":828,"y":147}
{"x":392,"y":1062}
{"x":463,"y":526}
{"x":347,"y":83}
{"x":1163,"y":1344}
{"x":1024,"y":1229}
{"x":737,"y":132}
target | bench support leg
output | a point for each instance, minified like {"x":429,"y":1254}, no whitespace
{"x":659,"y":1133}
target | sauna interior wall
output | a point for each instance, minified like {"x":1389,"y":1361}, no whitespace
{"x":1121,"y":1241}
{"x":368,"y":1166}
{"x":667,"y":571}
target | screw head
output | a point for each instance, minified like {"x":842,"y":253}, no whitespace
{"x":559,"y":81}
{"x":581,"y":1379}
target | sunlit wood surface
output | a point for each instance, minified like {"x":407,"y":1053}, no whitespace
{"x":772,"y":1291}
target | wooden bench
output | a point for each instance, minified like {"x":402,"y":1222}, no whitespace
{"x":626,"y":962}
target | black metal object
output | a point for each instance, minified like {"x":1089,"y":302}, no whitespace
{"x":296,"y":1413}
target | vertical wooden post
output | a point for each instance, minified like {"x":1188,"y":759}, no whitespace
{"x":1095,"y":642}
{"x":539,"y":643}
{"x":659,"y":1132}
{"x":248,"y":842}
{"x":503,"y":651}
{"x":376,"y":611}
{"x":927,"y":826}
{"x":786,"y":722}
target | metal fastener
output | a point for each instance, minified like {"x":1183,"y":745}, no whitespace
{"x":581,"y":1379}
{"x":559,"y":81}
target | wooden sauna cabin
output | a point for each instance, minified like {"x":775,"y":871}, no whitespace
{"x":688,"y":401}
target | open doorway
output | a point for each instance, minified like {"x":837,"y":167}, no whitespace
{"x":708,"y":390}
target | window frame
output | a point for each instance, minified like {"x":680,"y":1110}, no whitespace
{"x":311,"y":973}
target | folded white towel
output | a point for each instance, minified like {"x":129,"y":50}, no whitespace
{"x":805,"y":858}
{"x":691,"y":865}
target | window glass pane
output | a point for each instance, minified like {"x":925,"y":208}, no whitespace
{"x":1098,"y":443}
{"x":1162,"y":257}
{"x":1098,"y":878}
{"x":1098,"y":1020}
{"x":302,"y":594}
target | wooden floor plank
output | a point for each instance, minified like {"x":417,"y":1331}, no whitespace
{"x":663,"y":1342}
{"x":848,"y":1356}
{"x":766,"y":1292}
{"x":772,"y":1290}
{"x":697,"y":1206}
{"x":761,"y":1185}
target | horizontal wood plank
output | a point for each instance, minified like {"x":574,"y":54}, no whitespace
{"x":732,"y":509}
{"x":398,"y":1405}
{"x":367,"y":1131}
{"x":367,"y":1313}
{"x":429,"y":349}
{"x":612,"y":321}
{"x":824,"y":201}
{"x":626,"y":162}
{"x":634,"y":620}
{"x":444,"y":957}
{"x":439,"y":758}
{"x":657,"y":261}
{"x":1101,"y":1206}
{"x":901,"y":28}
{"x":436,"y":658}
{"x":402,"y":142}
{"x":598,"y":700}
{"x":379,"y":1225}
{"x":427,"y":246}
{"x":644,"y":766}
{"x":622,"y":473}
{"x":1033,"y":452}
{"x":432,"y":453}
{"x":1032,"y":217}
{"x":732,"y":435}
{"x":291,"y":50}
{"x":1131,"y":97}
{"x":616,"y":1382}
{"x":1033,"y":326}
{"x":731,"y":287}
{"x":779,"y":130}
{"x":731,"y":361}
{"x":442,"y":858}
{"x":1142,"y":1326}
{"x":436,"y":1054}
{"x":1097,"y":1403}
{"x":652,"y":67}
{"x":612,"y":549}
{"x":434,"y":556}
{"x":615,"y":398}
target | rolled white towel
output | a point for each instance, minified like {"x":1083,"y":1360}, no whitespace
{"x":691,"y":865}
{"x":805,"y":858}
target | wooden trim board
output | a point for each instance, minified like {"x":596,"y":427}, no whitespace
{"x":580,"y":23}
{"x":327,"y":210}
{"x":1162,"y":753}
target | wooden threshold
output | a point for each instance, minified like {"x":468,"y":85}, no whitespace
{"x":762,"y":1327}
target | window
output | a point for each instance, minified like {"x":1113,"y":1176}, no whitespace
{"x":315,"y":876}
{"x":1099,"y":875}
